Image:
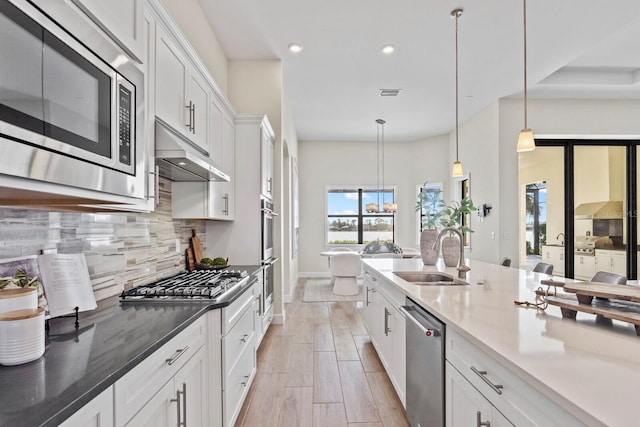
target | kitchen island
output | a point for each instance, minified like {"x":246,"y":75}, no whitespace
{"x":589,"y":370}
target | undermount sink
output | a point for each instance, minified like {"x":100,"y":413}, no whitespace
{"x":429,"y":279}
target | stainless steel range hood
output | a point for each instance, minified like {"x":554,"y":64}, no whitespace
{"x":599,"y":210}
{"x":178,"y":160}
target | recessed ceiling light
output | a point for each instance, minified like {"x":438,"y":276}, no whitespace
{"x":387,"y":48}
{"x":295,"y":47}
{"x":182,"y":163}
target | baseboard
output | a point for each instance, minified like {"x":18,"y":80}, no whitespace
{"x":278,"y":319}
{"x":311,"y":275}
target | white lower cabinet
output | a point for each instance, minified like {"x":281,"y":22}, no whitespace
{"x":371,"y":306}
{"x":584,"y":266}
{"x":466,"y":406}
{"x":97,"y":413}
{"x":611,"y":261}
{"x":183,"y":399}
{"x":238,"y":353}
{"x":387,"y":328}
{"x":476,"y":382}
{"x":554,"y":255}
{"x":154,"y":390}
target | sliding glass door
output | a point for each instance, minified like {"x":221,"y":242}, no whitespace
{"x":591,"y":193}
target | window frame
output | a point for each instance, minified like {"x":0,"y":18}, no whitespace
{"x":360,"y":217}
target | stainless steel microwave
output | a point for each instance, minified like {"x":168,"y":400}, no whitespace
{"x":71,"y":103}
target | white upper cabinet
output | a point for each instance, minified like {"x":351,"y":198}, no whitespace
{"x":266,"y":162}
{"x":121,"y":20}
{"x":182,"y":95}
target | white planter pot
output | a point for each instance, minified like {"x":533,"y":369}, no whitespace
{"x":427,"y":239}
{"x":451,"y":251}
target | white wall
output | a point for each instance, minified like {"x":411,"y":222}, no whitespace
{"x":190,"y":18}
{"x":407,"y":165}
{"x":479,"y":152}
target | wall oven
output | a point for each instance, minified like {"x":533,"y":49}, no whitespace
{"x":68,"y":106}
{"x":268,"y":260}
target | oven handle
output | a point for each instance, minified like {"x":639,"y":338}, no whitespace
{"x":269,"y":262}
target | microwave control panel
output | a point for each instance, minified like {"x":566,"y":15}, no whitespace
{"x":124,"y":125}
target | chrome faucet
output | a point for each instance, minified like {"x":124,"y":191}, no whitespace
{"x":462,"y":268}
{"x":563,"y":237}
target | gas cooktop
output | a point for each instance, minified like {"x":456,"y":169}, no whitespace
{"x":198,"y":285}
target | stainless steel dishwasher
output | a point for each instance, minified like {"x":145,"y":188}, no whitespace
{"x":425,"y":367}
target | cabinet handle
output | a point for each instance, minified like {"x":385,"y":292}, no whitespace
{"x":190,"y":109}
{"x":246,"y":380}
{"x":193,"y":111}
{"x":226,"y":204}
{"x":483,"y":374}
{"x":179,"y":352}
{"x":479,"y":421}
{"x":181,"y":406}
{"x":386,"y":321}
{"x":156,"y":190}
{"x":244,"y":338}
{"x":366,"y":298}
{"x":269,"y":185}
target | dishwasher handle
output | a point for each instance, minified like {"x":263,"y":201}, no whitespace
{"x":427,"y":332}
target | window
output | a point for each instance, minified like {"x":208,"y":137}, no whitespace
{"x":430,"y":199}
{"x":349,"y":222}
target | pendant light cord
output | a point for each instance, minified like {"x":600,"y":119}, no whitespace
{"x":457,"y":16}
{"x":524,"y":17}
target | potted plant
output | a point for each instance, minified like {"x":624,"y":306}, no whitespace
{"x":452,"y":216}
{"x":430,"y":203}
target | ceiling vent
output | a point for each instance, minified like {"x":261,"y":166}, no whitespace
{"x":390,"y":92}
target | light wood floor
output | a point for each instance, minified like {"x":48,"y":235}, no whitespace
{"x":320,"y":369}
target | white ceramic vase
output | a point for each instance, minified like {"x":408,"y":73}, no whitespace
{"x":427,"y":239}
{"x":451,"y":251}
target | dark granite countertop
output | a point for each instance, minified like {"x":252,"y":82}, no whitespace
{"x":79,"y":364}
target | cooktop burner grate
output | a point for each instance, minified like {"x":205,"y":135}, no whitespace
{"x":190,"y":285}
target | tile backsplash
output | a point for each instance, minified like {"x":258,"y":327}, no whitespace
{"x":123,"y":249}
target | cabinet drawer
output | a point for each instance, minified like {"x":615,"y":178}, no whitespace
{"x":233,"y":312}
{"x":517,"y":400}
{"x":394,"y":295}
{"x":237,"y":383}
{"x":132,"y":391}
{"x":239,"y":338}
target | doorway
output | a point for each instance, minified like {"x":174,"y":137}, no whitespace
{"x":535,"y":221}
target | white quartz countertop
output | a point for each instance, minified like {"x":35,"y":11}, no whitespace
{"x":591,"y":370}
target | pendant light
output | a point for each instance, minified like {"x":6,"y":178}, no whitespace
{"x":457,"y":165}
{"x":526,"y":141}
{"x":386,"y":207}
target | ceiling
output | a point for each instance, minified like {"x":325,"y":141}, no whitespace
{"x":576,"y":49}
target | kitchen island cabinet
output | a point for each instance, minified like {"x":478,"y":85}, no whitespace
{"x":466,"y":406}
{"x":553,"y":370}
{"x":386,"y":326}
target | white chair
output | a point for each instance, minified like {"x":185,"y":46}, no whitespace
{"x":345,"y":267}
{"x":338,"y":249}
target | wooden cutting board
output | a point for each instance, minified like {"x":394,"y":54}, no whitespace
{"x":197,"y":246}
{"x":191,"y":262}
